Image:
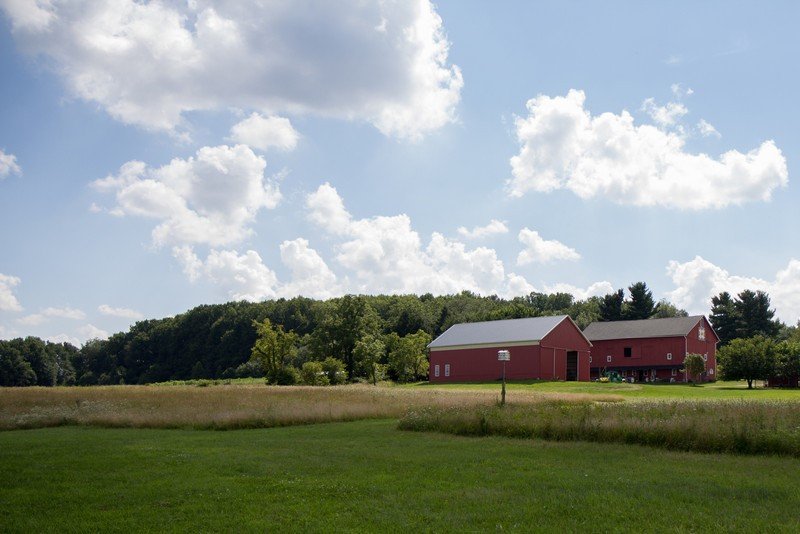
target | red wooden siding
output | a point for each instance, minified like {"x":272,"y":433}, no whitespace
{"x":651,"y":354}
{"x":481,"y":364}
{"x":546,"y":360}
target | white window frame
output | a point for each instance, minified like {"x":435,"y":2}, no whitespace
{"x":669,"y":355}
{"x":674,"y":372}
{"x":590,"y":359}
{"x":447,"y":369}
{"x":701,"y":333}
{"x":705,"y":357}
{"x":436,"y":370}
{"x":608,"y":358}
{"x":711,"y":371}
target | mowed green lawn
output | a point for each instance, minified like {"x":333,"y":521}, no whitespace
{"x":711,"y":391}
{"x":369,"y":476}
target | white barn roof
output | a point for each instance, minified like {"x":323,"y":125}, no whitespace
{"x":516,"y":331}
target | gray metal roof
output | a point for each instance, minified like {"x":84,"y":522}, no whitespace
{"x":503,"y":331}
{"x":668,"y":327}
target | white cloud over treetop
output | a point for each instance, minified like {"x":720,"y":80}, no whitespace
{"x":8,"y":301}
{"x":210,"y":198}
{"x":564,"y":147}
{"x":245,"y":276}
{"x":123,"y":313}
{"x":8,"y":165}
{"x":540,"y":250}
{"x":698,"y":280}
{"x":385,"y":255}
{"x":149,"y":62}
{"x":381,"y":254}
{"x":48,"y":313}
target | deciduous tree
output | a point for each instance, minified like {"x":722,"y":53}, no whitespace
{"x":747,"y":359}
{"x":695,"y":366}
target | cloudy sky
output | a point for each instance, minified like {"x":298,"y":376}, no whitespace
{"x":155,"y":156}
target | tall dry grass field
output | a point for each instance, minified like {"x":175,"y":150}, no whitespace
{"x":233,"y":406}
{"x":746,"y":427}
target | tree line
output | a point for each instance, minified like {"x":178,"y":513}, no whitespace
{"x":218,"y":341}
{"x":349,"y":338}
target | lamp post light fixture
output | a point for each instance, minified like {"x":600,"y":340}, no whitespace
{"x":503,"y":356}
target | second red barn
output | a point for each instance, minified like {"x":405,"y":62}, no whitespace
{"x":652,"y":349}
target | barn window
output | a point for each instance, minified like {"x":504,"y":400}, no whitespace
{"x":669,"y":355}
{"x":590,"y":359}
{"x":608,"y":358}
{"x":674,"y":372}
{"x":711,"y":370}
{"x":628,"y":352}
{"x":705,"y":357}
{"x":436,"y":370}
{"x":701,"y":333}
{"x":447,"y":369}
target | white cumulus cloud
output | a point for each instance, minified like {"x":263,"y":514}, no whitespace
{"x":265,"y":132}
{"x":385,"y":255}
{"x":494,"y":227}
{"x":124,"y":313}
{"x":597,"y":289}
{"x":667,"y":115}
{"x":8,"y":165}
{"x":150,"y":62}
{"x":707,"y":129}
{"x":48,"y":313}
{"x":90,"y":331}
{"x":540,"y":250}
{"x":246,"y":276}
{"x":8,"y":301}
{"x":211,"y":198}
{"x":564,"y":147}
{"x":311,"y":276}
{"x":697,"y":280}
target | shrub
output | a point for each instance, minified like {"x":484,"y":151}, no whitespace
{"x":335,"y":370}
{"x":312,"y":374}
{"x":287,"y":376}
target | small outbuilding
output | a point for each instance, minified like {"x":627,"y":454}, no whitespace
{"x":549,"y":348}
{"x":651,"y":350}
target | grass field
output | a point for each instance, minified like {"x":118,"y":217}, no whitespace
{"x":369,"y":476}
{"x":154,"y":469}
{"x":234,"y":406}
{"x":715,"y":390}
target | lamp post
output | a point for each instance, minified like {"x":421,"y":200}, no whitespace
{"x":503,"y":356}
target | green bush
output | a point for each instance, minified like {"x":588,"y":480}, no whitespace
{"x":287,"y":376}
{"x":335,"y":370}
{"x":312,"y":374}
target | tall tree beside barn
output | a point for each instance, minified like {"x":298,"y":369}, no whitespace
{"x":723,"y":317}
{"x":611,"y":306}
{"x":745,"y":316}
{"x":641,"y":304}
{"x":754,"y":316}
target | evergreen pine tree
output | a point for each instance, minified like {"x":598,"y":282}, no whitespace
{"x":641,"y":305}
{"x":611,"y":306}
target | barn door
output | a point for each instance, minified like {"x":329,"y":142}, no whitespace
{"x":572,"y":365}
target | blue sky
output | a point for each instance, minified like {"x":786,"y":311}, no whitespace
{"x":158,"y":156}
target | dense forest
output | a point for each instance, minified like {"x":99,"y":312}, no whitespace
{"x":354,"y":337}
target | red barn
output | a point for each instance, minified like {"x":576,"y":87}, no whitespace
{"x":652,"y":349}
{"x":551,"y":348}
